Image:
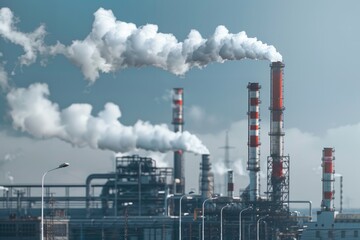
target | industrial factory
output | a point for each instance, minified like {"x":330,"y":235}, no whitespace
{"x":142,"y":201}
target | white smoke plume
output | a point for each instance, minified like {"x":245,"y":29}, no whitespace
{"x":9,"y":177}
{"x":32,"y":112}
{"x":220,"y":168}
{"x":3,"y":78}
{"x":113,"y":45}
{"x":32,"y":43}
{"x":4,"y":161}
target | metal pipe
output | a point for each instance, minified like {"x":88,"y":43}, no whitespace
{"x":221,"y":221}
{"x":88,"y":181}
{"x":139,"y":187}
{"x":203,"y":216}
{"x":185,"y":195}
{"x":258,"y":227}
{"x":245,"y":209}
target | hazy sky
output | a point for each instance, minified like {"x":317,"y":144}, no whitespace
{"x":50,"y":66}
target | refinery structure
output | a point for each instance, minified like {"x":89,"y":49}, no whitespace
{"x":140,"y":200}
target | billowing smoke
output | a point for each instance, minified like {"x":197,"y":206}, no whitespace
{"x":4,"y":85}
{"x":237,"y":166}
{"x":32,"y":112}
{"x":32,"y":43}
{"x":113,"y":45}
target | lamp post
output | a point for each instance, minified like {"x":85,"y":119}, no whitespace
{"x":203,"y":216}
{"x":42,"y":196}
{"x":185,"y":195}
{"x":127,"y":204}
{"x":221,"y":221}
{"x":245,"y":209}
{"x":258,"y":227}
{"x":167,"y":204}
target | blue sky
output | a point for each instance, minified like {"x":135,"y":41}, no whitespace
{"x":317,"y":40}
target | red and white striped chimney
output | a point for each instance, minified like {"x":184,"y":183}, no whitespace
{"x":230,"y":185}
{"x":254,"y":140}
{"x":178,"y":122}
{"x":328,"y":179}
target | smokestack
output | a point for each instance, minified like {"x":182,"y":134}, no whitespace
{"x":178,"y":122}
{"x":278,"y":164}
{"x":253,"y":140}
{"x":227,"y":148}
{"x":230,"y":184}
{"x":206,"y":178}
{"x":328,"y":179}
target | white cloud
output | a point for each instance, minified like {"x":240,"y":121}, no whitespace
{"x":195,"y":114}
{"x":200,"y":120}
{"x":39,"y":156}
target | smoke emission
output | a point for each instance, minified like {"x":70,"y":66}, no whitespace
{"x":32,"y":43}
{"x":32,"y":112}
{"x":113,"y":45}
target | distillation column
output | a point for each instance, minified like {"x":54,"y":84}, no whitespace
{"x":253,"y":140}
{"x":328,"y":179}
{"x":178,"y":122}
{"x":206,"y":177}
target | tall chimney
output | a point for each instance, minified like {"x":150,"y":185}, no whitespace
{"x":206,"y":178}
{"x":328,"y":179}
{"x":230,"y":184}
{"x":277,"y":162}
{"x":253,"y":140}
{"x":178,"y":122}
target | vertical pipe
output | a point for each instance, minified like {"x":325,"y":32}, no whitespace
{"x":253,"y":139}
{"x":230,"y":184}
{"x":276,"y":130}
{"x":178,"y":122}
{"x":328,"y":179}
{"x":207,"y":177}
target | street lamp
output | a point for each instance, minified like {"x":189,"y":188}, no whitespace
{"x":258,"y":227}
{"x":221,"y":224}
{"x":185,"y":195}
{"x":248,"y":208}
{"x":42,"y":196}
{"x":203,"y":216}
{"x":167,"y":204}
{"x":127,"y":204}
